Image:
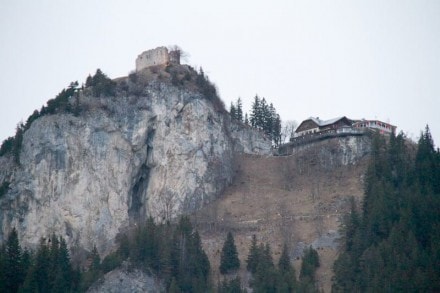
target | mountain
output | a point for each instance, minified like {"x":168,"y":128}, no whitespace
{"x":99,"y":160}
{"x":102,"y":158}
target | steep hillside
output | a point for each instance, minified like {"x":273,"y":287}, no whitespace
{"x":111,"y":154}
{"x":298,"y":200}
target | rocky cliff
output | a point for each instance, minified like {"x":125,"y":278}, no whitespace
{"x":159,"y":147}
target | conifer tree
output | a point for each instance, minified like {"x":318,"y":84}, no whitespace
{"x":253,"y":256}
{"x":233,"y":111}
{"x":255,"y":113}
{"x":63,"y":277}
{"x":14,"y":274}
{"x":239,"y":110}
{"x":229,"y":257}
{"x":287,"y":277}
{"x":400,"y":207}
{"x":42,"y":265}
{"x":310,"y":263}
{"x":263,"y":116}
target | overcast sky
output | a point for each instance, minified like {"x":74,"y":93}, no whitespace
{"x":361,"y":59}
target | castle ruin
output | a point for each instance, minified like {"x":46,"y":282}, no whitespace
{"x":158,"y":56}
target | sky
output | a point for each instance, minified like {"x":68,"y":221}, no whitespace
{"x":373,"y":59}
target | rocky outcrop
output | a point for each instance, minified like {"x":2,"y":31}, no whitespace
{"x":128,"y":280}
{"x":161,"y":152}
{"x":336,"y":151}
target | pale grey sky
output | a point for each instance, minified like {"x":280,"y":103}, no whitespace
{"x":362,"y":59}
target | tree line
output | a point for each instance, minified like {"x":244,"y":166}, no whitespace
{"x":263,"y":116}
{"x":392,"y":242}
{"x":171,"y":251}
{"x":48,"y":269}
{"x":266,"y":277}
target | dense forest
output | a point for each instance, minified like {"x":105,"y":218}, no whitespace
{"x":171,"y":251}
{"x":392,"y":242}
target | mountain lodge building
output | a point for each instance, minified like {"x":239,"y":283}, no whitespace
{"x":314,"y":125}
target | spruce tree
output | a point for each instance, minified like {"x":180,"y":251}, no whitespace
{"x":310,"y":263}
{"x":42,"y":265}
{"x":253,"y":256}
{"x":239,"y":110}
{"x":276,"y":130}
{"x":233,"y":111}
{"x":229,"y":257}
{"x":255,"y":113}
{"x":63,"y":276}
{"x":14,"y":274}
{"x":263,"y":116}
{"x":287,"y":276}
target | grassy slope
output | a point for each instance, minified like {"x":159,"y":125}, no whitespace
{"x":281,"y":199}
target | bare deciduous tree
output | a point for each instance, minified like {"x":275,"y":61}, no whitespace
{"x":166,"y":205}
{"x":287,"y":130}
{"x":181,"y":54}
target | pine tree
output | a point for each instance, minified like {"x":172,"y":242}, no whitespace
{"x":229,"y":257}
{"x":53,"y":258}
{"x":310,"y":263}
{"x":246,"y":119}
{"x":266,"y":276}
{"x":233,"y":111}
{"x":239,"y":110}
{"x":63,"y":280}
{"x":42,"y":265}
{"x":255,"y":113}
{"x":14,"y":274}
{"x":276,"y":130}
{"x":263,"y":118}
{"x":254,"y":256}
{"x":287,"y":277}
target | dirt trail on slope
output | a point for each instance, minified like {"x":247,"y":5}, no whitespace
{"x":298,"y":200}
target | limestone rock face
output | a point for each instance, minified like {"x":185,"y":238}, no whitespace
{"x":161,"y":153}
{"x":336,"y":151}
{"x":123,"y":280}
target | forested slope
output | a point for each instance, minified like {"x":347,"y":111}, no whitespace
{"x":392,"y":242}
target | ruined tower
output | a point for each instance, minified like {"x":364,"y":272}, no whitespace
{"x":158,"y":56}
